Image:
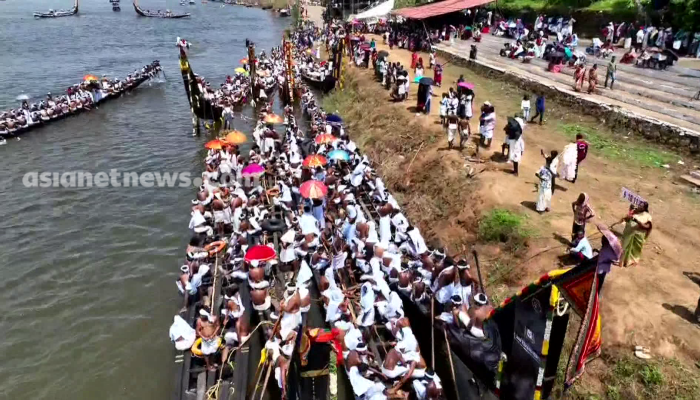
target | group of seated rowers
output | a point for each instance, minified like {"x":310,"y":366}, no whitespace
{"x":332,"y":235}
{"x":78,"y":97}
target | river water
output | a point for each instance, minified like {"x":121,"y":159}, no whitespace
{"x":87,"y":291}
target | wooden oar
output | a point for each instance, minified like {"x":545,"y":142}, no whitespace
{"x":432,"y":332}
{"x":452,"y":365}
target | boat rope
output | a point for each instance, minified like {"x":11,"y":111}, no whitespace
{"x":212,"y":393}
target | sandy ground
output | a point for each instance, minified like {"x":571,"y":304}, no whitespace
{"x":650,"y":304}
{"x":315,"y":14}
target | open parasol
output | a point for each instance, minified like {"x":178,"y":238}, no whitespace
{"x":22,"y":97}
{"x":241,"y":70}
{"x":426,"y":81}
{"x":417,"y":79}
{"x":315,"y":160}
{"x":215,"y":144}
{"x":273,"y":119}
{"x":325,"y":138}
{"x":313,"y":190}
{"x":382,"y":53}
{"x":260,"y":253}
{"x":253,"y":170}
{"x":235,"y":137}
{"x":244,"y":61}
{"x":90,"y":78}
{"x":339,"y":155}
{"x":466,"y":85}
{"x":334,"y":118}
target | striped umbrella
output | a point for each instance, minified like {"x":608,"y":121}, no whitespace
{"x":315,"y":160}
{"x":339,"y":155}
{"x":253,"y":170}
{"x":313,"y":189}
{"x":215,"y":144}
{"x":325,"y":139}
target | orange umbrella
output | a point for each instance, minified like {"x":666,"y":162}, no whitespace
{"x":313,"y":189}
{"x":235,"y":137}
{"x":215,"y":144}
{"x":325,"y":139}
{"x":315,"y":160}
{"x":244,"y":61}
{"x":273,"y":119}
{"x":90,"y":78}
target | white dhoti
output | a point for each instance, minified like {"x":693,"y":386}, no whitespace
{"x":544,"y":199}
{"x":210,"y":346}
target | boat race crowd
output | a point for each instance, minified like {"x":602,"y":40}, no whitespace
{"x":78,"y":98}
{"x":292,"y":216}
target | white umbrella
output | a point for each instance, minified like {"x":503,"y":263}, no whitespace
{"x":22,"y":97}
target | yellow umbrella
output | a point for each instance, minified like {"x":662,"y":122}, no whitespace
{"x":273,"y":119}
{"x":235,"y":137}
{"x":240,"y":70}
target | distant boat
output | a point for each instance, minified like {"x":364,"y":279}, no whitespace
{"x":192,"y":2}
{"x":284,"y":12}
{"x":157,"y":14}
{"x":115,"y":5}
{"x":58,"y":14}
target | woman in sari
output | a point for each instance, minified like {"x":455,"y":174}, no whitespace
{"x":592,"y":78}
{"x":437,"y":75}
{"x":414,"y":60}
{"x":579,"y":77}
{"x":637,"y":229}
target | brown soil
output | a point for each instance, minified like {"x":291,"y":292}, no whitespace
{"x":650,"y":304}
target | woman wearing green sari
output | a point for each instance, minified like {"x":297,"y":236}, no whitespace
{"x":637,"y":229}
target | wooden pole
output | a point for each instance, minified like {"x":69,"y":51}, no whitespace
{"x":452,"y":365}
{"x":432,"y":332}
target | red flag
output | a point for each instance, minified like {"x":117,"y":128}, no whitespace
{"x":589,"y":339}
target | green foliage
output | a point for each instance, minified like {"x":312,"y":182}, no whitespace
{"x":651,"y":376}
{"x":620,"y":148}
{"x":685,"y":14}
{"x":614,"y":6}
{"x":504,"y":226}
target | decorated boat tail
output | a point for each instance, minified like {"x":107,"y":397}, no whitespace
{"x":58,"y":14}
{"x":157,"y":14}
{"x":79,"y":98}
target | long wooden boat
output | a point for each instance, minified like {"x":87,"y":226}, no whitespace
{"x":151,"y":14}
{"x":201,"y":107}
{"x":104,"y":97}
{"x":325,"y":85}
{"x":54,"y":14}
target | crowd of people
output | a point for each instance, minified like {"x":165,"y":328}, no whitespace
{"x":79,"y":97}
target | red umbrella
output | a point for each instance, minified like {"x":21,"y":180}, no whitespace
{"x":313,"y":189}
{"x":325,"y":139}
{"x":315,"y":160}
{"x":260,"y":253}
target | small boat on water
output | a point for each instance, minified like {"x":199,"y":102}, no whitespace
{"x":115,"y":5}
{"x":58,"y":14}
{"x":284,"y":12}
{"x":192,"y":2}
{"x":157,"y":14}
{"x":78,"y":98}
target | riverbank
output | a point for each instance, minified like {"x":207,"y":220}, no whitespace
{"x":646,"y":305}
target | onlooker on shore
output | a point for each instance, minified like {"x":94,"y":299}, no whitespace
{"x":582,"y":214}
{"x":539,"y":108}
{"x":611,"y":73}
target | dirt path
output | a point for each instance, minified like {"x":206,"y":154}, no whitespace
{"x":649,"y":304}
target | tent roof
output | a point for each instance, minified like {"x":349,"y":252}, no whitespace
{"x":375,"y":12}
{"x":439,"y":8}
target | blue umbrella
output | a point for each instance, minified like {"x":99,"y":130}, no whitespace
{"x":339,"y":155}
{"x":334,"y":118}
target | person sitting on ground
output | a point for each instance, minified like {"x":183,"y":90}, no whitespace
{"x":581,"y":248}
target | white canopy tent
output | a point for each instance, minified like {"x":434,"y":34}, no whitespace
{"x":379,"y":11}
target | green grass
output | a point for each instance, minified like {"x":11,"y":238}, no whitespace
{"x":523,"y":4}
{"x":619,"y":148}
{"x":504,"y":226}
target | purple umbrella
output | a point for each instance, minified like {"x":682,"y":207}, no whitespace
{"x":466,"y":85}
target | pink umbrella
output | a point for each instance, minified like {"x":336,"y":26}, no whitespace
{"x":253,"y":170}
{"x":466,"y":85}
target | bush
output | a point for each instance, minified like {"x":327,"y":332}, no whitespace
{"x":651,"y":376}
{"x":504,"y":226}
